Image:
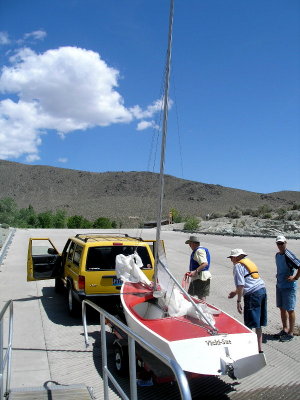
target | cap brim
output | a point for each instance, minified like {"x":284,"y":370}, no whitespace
{"x":187,"y":242}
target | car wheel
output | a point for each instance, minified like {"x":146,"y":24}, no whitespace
{"x":73,"y":305}
{"x":121,"y":361}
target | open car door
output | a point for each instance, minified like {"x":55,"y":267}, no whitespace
{"x":43,"y":261}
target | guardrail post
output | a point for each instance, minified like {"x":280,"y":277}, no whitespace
{"x":132,"y":368}
{"x":5,"y":357}
{"x":104,"y":356}
{"x":1,"y":359}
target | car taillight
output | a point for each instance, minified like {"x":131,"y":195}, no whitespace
{"x":81,"y":282}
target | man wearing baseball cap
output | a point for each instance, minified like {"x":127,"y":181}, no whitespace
{"x":286,"y":287}
{"x":199,"y":269}
{"x":249,"y":285}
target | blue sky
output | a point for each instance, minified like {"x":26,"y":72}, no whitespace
{"x":81,"y":83}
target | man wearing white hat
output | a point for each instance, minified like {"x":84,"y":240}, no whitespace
{"x":249,"y":285}
{"x":199,"y":269}
{"x":286,"y":286}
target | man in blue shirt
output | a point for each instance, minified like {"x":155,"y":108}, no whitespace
{"x":287,"y":263}
{"x":251,"y":287}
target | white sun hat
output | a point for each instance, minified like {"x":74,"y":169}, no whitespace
{"x":236,"y":253}
{"x":280,"y":238}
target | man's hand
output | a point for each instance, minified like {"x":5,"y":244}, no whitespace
{"x":239,"y":307}
{"x":231,"y":294}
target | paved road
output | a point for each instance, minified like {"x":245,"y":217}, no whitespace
{"x":49,"y":346}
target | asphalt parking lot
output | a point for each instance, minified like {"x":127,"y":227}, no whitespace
{"x":48,"y":344}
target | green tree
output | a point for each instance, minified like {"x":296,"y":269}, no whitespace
{"x":45,"y":219}
{"x":59,"y":219}
{"x":26,"y":217}
{"x":8,"y":210}
{"x":77,"y":221}
{"x":102,"y":223}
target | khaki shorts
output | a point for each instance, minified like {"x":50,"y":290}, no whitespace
{"x":199,"y":288}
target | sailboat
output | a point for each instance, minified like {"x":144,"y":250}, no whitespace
{"x":200,"y":337}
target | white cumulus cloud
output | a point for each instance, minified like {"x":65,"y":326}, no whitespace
{"x":37,"y":35}
{"x":64,"y":89}
{"x":142,"y":125}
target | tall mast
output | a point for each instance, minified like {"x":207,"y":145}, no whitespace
{"x":164,"y":134}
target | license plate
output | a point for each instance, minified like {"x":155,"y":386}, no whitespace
{"x":117,"y":282}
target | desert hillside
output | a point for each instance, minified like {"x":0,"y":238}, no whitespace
{"x":121,"y":195}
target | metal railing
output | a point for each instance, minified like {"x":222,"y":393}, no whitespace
{"x":6,"y":244}
{"x":132,"y":338}
{"x":5,"y":357}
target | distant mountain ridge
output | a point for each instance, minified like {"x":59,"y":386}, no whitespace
{"x":123,"y":195}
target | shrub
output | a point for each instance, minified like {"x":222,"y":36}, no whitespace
{"x":191,"y":224}
{"x":267,"y":216}
{"x":233,"y":214}
{"x":176,"y":216}
{"x":281,"y":214}
{"x":247,"y":211}
{"x":296,"y":206}
{"x":264,"y":209}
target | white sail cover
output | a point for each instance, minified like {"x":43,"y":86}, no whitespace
{"x":128,"y":268}
{"x":170,"y":298}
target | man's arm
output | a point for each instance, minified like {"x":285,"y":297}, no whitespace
{"x":239,"y":293}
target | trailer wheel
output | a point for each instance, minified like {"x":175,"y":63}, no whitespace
{"x":121,"y":360}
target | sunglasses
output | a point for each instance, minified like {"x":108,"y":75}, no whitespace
{"x":280,"y":243}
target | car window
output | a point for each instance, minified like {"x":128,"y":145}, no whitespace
{"x":42,"y":246}
{"x":71,"y":251}
{"x":104,"y":257}
{"x":77,"y":255}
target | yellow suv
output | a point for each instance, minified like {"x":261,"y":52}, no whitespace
{"x":86,"y":267}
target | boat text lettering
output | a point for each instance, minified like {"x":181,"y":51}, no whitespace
{"x":217,"y":342}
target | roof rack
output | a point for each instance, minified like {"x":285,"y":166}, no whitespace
{"x":91,"y":235}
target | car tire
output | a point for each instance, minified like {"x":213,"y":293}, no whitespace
{"x":59,"y":286}
{"x":121,"y":361}
{"x":73,"y":305}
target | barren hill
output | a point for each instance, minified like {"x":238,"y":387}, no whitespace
{"x":123,"y":195}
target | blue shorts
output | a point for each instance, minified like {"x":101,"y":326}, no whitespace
{"x":255,"y":309}
{"x":286,"y":298}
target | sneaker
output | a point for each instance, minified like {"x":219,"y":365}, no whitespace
{"x":281,"y":333}
{"x":286,"y":338}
